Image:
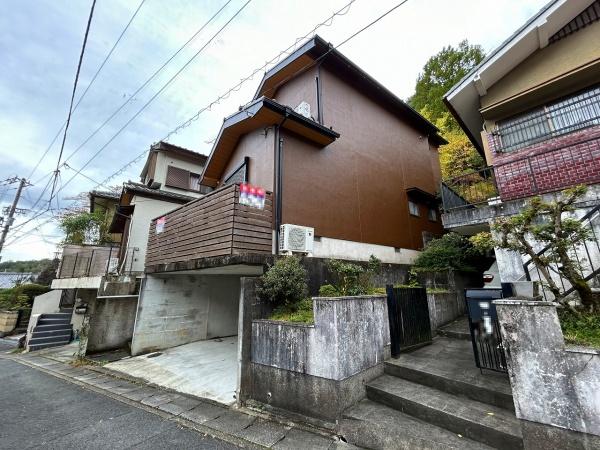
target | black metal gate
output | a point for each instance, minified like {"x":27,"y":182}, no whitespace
{"x":409,"y":318}
{"x":485,"y":329}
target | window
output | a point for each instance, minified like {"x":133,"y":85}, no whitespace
{"x":413,"y":208}
{"x":432,"y":214}
{"x":183,"y":179}
{"x":555,"y":119}
{"x":239,"y":175}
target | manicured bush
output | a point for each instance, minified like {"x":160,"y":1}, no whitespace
{"x":328,"y":290}
{"x":451,"y":251}
{"x":13,"y":301}
{"x":32,"y":290}
{"x":284,"y":283}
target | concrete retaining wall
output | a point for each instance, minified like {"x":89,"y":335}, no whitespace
{"x":552,"y":384}
{"x":319,"y":370}
{"x":445,"y":307}
{"x":111,"y":323}
{"x":177,"y":309}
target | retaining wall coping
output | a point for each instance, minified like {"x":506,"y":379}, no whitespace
{"x":350,"y":297}
{"x":522,"y":302}
{"x":282,"y":322}
{"x":584,"y":350}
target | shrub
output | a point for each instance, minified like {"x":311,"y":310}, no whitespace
{"x":328,"y":290}
{"x":32,"y":290}
{"x":451,"y":251}
{"x":350,"y":278}
{"x":285,"y":282}
{"x":13,"y":301}
{"x":580,"y":328}
{"x":301,"y":312}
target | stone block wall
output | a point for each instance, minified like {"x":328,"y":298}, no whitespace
{"x":553,"y":384}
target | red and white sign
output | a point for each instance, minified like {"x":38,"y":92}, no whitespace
{"x":160,"y":224}
{"x":252,"y":196}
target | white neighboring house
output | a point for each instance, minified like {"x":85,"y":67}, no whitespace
{"x":100,"y":284}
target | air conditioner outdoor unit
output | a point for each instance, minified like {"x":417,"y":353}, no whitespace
{"x":296,"y":239}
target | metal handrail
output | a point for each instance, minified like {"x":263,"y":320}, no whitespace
{"x":594,"y":270}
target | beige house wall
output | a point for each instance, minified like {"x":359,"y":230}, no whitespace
{"x":554,"y":71}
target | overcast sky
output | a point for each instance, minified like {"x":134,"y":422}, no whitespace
{"x":40,"y":42}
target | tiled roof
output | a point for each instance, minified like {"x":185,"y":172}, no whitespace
{"x":11,"y":279}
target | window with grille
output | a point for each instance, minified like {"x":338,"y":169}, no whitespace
{"x":239,"y":175}
{"x":555,"y":119}
{"x":432,"y":214}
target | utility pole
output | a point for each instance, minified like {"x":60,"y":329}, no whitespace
{"x":11,"y":213}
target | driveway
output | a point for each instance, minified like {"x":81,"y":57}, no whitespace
{"x":42,"y":411}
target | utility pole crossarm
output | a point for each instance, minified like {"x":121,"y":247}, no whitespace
{"x":11,"y":212}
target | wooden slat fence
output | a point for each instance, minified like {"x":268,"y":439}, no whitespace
{"x":214,"y":225}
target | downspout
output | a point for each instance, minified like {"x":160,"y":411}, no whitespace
{"x":278,"y":185}
{"x":319,"y":94}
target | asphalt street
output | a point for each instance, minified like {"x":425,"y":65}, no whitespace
{"x":41,"y":411}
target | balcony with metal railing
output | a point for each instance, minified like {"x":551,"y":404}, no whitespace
{"x":95,"y":261}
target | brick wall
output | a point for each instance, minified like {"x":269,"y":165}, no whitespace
{"x":548,"y":166}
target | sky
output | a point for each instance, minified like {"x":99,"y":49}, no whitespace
{"x":40,"y":43}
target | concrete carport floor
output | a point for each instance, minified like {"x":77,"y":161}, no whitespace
{"x":206,"y":369}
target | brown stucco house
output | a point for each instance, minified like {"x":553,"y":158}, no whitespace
{"x":336,"y":153}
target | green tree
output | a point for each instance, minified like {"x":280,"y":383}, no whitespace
{"x":549,"y":224}
{"x":85,"y":228}
{"x":440,"y":73}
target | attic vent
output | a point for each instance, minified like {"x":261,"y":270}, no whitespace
{"x":303,"y":109}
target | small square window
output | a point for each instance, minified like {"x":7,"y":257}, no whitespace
{"x":413,"y":208}
{"x":432,"y":214}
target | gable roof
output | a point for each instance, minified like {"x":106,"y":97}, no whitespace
{"x":258,"y":114}
{"x":463,"y":98}
{"x":317,"y":49}
{"x":174,"y":150}
{"x":141,"y":189}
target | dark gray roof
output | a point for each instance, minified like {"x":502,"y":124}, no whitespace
{"x":11,"y":279}
{"x":143,"y":190}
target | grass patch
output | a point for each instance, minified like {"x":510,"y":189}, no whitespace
{"x":17,"y":350}
{"x":437,"y":291}
{"x":80,"y":362}
{"x":301,"y":312}
{"x":582,"y":329}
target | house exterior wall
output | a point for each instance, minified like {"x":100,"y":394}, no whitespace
{"x":258,"y":146}
{"x":160,"y":172}
{"x":146,"y":209}
{"x":561,"y":59}
{"x":355,"y":188}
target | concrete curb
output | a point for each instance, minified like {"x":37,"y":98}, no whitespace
{"x":242,"y":427}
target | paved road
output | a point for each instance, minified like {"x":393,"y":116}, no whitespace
{"x":39,"y":410}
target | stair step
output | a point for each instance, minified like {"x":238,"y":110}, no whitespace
{"x":51,"y":327}
{"x":373,"y":425}
{"x":33,"y":348}
{"x":42,"y":334}
{"x":49,"y":339}
{"x":488,"y":424}
{"x":459,"y":380}
{"x":60,"y":315}
{"x":45,"y":321}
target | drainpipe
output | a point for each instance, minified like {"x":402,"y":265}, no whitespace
{"x":278,"y":185}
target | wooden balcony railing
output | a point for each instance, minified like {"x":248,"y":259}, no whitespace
{"x":214,"y":225}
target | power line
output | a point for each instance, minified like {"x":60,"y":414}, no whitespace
{"x":352,"y":36}
{"x":62,"y":146}
{"x":156,"y":72}
{"x":89,"y":85}
{"x":157,"y":93}
{"x":327,"y":22}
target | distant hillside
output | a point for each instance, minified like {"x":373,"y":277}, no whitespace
{"x":34,"y":265}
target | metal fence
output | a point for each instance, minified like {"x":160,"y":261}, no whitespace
{"x":472,"y":188}
{"x":550,"y":121}
{"x":88,"y":263}
{"x":409,"y":318}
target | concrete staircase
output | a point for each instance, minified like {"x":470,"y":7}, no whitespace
{"x":435,"y":398}
{"x":52,"y":330}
